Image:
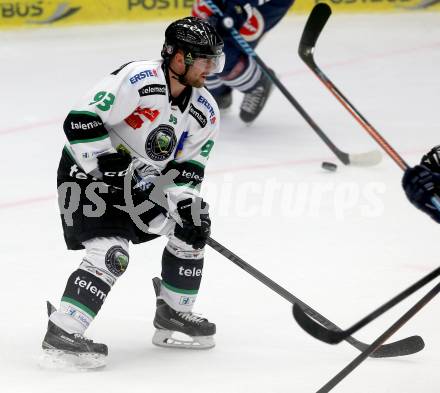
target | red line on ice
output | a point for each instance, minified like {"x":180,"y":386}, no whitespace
{"x":28,"y":201}
{"x":27,"y":127}
{"x":214,"y":172}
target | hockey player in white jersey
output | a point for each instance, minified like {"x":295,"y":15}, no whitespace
{"x":144,"y":121}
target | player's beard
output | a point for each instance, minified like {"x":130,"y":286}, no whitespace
{"x":192,"y":81}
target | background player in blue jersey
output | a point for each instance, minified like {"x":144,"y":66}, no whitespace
{"x":253,"y":19}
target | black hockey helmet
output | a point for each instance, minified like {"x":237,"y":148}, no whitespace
{"x":432,"y":159}
{"x":197,"y":38}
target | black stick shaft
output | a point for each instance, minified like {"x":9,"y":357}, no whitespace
{"x":342,"y":156}
{"x":268,"y":282}
{"x":395,"y":300}
{"x":376,"y":344}
{"x":257,"y":274}
{"x":384,"y":351}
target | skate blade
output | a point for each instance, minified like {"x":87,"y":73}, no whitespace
{"x":171,"y":339}
{"x":61,"y":360}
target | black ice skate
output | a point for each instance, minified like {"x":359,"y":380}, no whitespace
{"x":169,"y":323}
{"x":224,"y":101}
{"x":255,"y":99}
{"x":64,"y":350}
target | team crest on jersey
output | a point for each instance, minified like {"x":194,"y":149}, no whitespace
{"x":254,"y":26}
{"x":161,"y":142}
{"x":136,"y":121}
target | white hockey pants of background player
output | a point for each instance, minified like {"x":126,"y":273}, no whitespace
{"x":106,"y":260}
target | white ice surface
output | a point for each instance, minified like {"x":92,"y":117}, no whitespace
{"x":343,"y":242}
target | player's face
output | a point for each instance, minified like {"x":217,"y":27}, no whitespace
{"x":200,"y":68}
{"x":197,"y":72}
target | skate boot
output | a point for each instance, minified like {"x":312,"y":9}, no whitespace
{"x":65,"y":350}
{"x":255,"y":99}
{"x":224,"y":100}
{"x":170,"y":323}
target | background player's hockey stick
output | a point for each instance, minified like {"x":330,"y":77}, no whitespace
{"x":403,"y":347}
{"x":316,"y":22}
{"x":317,"y":19}
{"x":385,"y":336}
{"x":363,"y":159}
{"x":334,"y":337}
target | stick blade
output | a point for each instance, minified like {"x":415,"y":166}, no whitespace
{"x":369,"y":158}
{"x":316,"y":22}
{"x":404,"y":347}
{"x":315,"y":329}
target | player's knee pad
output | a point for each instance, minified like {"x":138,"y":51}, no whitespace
{"x":181,"y":279}
{"x":106,"y":257}
{"x":88,"y":287}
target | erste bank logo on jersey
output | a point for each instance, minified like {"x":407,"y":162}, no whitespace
{"x":208,"y":106}
{"x":142,"y":75}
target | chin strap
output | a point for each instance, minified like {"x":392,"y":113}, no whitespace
{"x":180,"y":77}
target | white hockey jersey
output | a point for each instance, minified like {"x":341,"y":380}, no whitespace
{"x":132,"y":110}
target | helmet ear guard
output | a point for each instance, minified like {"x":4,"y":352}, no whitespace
{"x":169,"y":49}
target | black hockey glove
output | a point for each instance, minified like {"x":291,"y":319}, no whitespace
{"x":196,"y":224}
{"x":420,"y":185}
{"x":113,"y":167}
{"x":237,"y":11}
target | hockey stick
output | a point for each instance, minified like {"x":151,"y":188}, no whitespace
{"x":385,"y":336}
{"x":334,"y":337}
{"x":316,"y":22}
{"x":361,"y":159}
{"x":403,"y":347}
